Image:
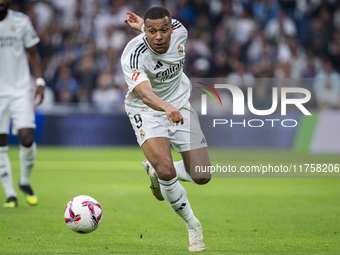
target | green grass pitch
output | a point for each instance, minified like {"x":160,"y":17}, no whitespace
{"x":239,"y":215}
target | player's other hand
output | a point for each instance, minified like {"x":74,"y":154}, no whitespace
{"x":173,"y":115}
{"x":39,"y":95}
{"x":134,"y":21}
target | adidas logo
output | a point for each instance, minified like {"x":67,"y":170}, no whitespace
{"x":203,"y":141}
{"x":181,"y":207}
{"x":159,"y":65}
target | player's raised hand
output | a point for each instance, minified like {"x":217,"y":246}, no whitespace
{"x":174,"y":115}
{"x":134,"y":21}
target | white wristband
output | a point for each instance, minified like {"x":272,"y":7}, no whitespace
{"x":40,"y":82}
{"x":142,"y":28}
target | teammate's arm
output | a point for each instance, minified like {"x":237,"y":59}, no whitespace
{"x":134,"y":21}
{"x":34,"y":61}
{"x":144,"y":91}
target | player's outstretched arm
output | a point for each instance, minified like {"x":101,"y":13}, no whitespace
{"x":144,"y":91}
{"x":134,"y":21}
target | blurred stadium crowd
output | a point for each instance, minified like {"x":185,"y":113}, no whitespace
{"x":239,"y":41}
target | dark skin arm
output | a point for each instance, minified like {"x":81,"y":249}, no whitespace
{"x":35,"y":65}
{"x":144,"y":91}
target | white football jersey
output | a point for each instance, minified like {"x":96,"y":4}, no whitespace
{"x":163,"y":71}
{"x":16,"y":34}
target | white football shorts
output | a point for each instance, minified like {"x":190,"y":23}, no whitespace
{"x":186,"y":137}
{"x":19,"y":110}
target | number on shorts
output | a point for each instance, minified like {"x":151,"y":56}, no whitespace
{"x":138,"y":120}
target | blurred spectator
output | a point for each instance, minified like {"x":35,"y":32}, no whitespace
{"x":284,"y":75}
{"x":265,"y":10}
{"x":317,"y":38}
{"x":335,"y":53}
{"x":221,"y":66}
{"x":67,"y":8}
{"x":67,"y":86}
{"x":321,"y":5}
{"x":259,"y":48}
{"x":113,"y":37}
{"x":106,"y":98}
{"x":280,"y":27}
{"x":69,"y":51}
{"x":327,"y":87}
{"x":288,"y":6}
{"x":311,"y":64}
{"x":244,"y":28}
{"x":44,"y":12}
{"x":86,"y":75}
{"x":201,"y":68}
{"x":290,"y":51}
{"x":241,"y":77}
{"x":336,"y":18}
{"x":185,"y":12}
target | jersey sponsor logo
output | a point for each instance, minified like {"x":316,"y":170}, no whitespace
{"x":8,"y":41}
{"x":172,"y":71}
{"x":180,"y":50}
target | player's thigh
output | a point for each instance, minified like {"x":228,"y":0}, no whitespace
{"x":152,"y":136}
{"x":22,"y":113}
{"x":158,"y":151}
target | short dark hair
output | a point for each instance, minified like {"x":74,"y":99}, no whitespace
{"x":157,"y":13}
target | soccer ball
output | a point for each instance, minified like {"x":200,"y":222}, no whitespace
{"x":83,"y":214}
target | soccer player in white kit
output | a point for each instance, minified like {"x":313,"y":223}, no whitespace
{"x":157,"y":104}
{"x":18,"y":38}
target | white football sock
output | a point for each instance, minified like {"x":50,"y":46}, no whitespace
{"x":175,"y":194}
{"x":27,"y":158}
{"x":181,"y":172}
{"x":6,"y":173}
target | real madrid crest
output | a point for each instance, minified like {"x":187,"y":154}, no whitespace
{"x":180,"y":50}
{"x":13,"y":27}
{"x":142,"y":133}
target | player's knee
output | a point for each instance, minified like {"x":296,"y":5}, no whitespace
{"x":26,"y":137}
{"x":3,"y":140}
{"x":26,"y":141}
{"x":202,"y":181}
{"x":165,"y":172}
